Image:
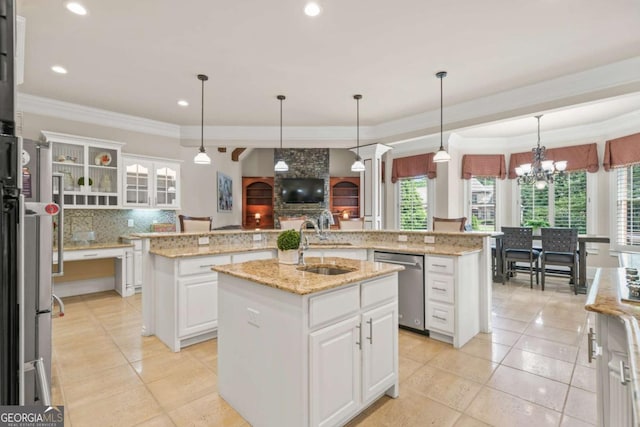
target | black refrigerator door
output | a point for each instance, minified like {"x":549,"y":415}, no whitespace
{"x":9,"y":315}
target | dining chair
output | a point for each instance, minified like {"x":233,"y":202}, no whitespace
{"x":518,"y":247}
{"x":560,"y":247}
{"x":291,"y":222}
{"x":189,"y":224}
{"x":449,"y":224}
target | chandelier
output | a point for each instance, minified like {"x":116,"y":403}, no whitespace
{"x":541,"y":171}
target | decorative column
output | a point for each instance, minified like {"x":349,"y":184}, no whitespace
{"x":371,"y":203}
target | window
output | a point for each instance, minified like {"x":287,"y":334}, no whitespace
{"x":413,"y":205}
{"x":561,"y":204}
{"x":483,"y":203}
{"x":627,"y":220}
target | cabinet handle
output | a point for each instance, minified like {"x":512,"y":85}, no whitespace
{"x":623,"y":376}
{"x":207,"y":265}
{"x":440,"y":265}
{"x":359,"y":342}
{"x":439,"y":318}
{"x":89,"y":255}
{"x":593,"y":348}
{"x":439,"y":289}
{"x":370,"y":337}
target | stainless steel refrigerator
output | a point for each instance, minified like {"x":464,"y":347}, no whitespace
{"x":26,"y":238}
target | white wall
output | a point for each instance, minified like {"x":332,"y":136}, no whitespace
{"x":340,"y":161}
{"x":259,"y":162}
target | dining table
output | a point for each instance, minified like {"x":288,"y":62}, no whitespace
{"x":583,"y":239}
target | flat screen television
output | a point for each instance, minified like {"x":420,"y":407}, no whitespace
{"x":302,"y":190}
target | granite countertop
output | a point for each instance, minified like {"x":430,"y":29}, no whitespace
{"x":153,"y":235}
{"x":605,"y":298}
{"x":403,"y":248}
{"x":288,"y":278}
{"x":108,"y":245}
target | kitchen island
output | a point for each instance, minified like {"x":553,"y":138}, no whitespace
{"x":300,"y":348}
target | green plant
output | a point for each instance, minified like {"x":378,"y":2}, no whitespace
{"x":475,"y":224}
{"x":288,"y":240}
{"x":81,"y":181}
{"x":537,"y":223}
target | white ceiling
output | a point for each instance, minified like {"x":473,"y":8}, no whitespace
{"x":138,"y":57}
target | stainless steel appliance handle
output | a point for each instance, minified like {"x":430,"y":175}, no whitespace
{"x":623,"y":377}
{"x":410,"y":264}
{"x":60,"y":271}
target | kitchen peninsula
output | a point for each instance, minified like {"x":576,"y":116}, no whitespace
{"x":307,"y":345}
{"x":180,"y":290}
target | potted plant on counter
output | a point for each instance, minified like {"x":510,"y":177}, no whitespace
{"x":288,"y":243}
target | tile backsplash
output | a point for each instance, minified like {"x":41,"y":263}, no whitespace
{"x":110,"y":224}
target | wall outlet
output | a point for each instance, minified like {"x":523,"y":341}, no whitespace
{"x":254,"y":316}
{"x":402,"y":238}
{"x":130,"y":223}
{"x":204,"y":240}
{"x":429,"y":239}
{"x":257,"y":237}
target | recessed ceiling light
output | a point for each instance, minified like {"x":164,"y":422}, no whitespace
{"x":183,"y":103}
{"x":312,"y":9}
{"x":59,"y":69}
{"x":76,"y":8}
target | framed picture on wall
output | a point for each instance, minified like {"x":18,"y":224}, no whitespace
{"x":225,"y":197}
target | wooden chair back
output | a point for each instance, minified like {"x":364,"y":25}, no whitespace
{"x":194,"y":224}
{"x":449,"y":224}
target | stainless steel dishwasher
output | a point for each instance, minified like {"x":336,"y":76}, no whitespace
{"x":410,"y":288}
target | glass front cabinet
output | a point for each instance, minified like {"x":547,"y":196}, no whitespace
{"x":150,"y":182}
{"x":89,"y":169}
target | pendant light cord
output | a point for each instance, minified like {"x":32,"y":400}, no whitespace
{"x":357,"y":98}
{"x":441,"y":113}
{"x":280,"y":98}
{"x":203,"y":78}
{"x":538,"y":117}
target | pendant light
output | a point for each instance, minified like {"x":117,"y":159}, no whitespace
{"x":201,"y":158}
{"x":358,"y":165}
{"x":442,"y":155}
{"x":281,"y":165}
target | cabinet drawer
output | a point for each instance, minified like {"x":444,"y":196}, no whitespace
{"x":200,"y":265}
{"x":333,"y":305}
{"x":440,"y":265}
{"x":379,"y":290}
{"x":440,"y":316}
{"x":440,"y":287}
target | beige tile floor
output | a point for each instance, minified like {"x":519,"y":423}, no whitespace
{"x":531,"y":371}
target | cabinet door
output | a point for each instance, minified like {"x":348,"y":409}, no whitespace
{"x":335,"y":372}
{"x":197,"y":305}
{"x":167,"y":191}
{"x":379,"y":350}
{"x":137,"y":184}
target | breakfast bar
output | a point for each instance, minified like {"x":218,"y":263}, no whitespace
{"x":307,"y":345}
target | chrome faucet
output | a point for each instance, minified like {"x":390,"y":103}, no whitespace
{"x":304,"y":241}
{"x":323,"y":234}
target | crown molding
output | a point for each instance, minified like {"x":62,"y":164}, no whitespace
{"x":594,"y":84}
{"x":80,"y":113}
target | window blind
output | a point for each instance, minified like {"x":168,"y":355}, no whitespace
{"x":413,"y":203}
{"x":534,"y":203}
{"x":628,"y":206}
{"x":483,"y":203}
{"x":570,"y":201}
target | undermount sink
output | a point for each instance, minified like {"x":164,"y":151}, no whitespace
{"x":327,"y":270}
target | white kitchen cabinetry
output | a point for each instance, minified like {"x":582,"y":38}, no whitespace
{"x":150,"y":182}
{"x":186,"y":296}
{"x":329,"y":355}
{"x":90,"y":169}
{"x":612,"y":365}
{"x":134,"y":263}
{"x":452,"y":296}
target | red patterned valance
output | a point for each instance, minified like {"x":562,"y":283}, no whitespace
{"x":408,"y":167}
{"x":578,"y":157}
{"x":621,"y":152}
{"x":483,"y":165}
